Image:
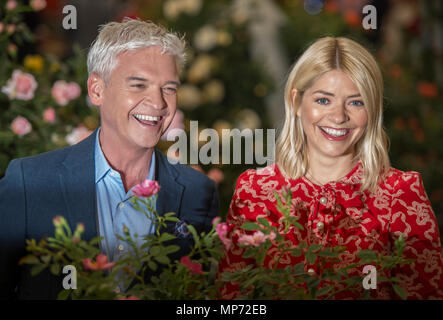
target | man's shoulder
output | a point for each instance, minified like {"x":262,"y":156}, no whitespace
{"x":185,"y":174}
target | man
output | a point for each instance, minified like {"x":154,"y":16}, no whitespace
{"x":133,"y":77}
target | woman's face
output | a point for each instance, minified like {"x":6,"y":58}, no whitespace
{"x":333,"y":116}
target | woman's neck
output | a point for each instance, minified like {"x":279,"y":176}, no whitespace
{"x":322,"y":171}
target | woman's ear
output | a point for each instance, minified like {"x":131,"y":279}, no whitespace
{"x":95,"y":89}
{"x":294,"y":93}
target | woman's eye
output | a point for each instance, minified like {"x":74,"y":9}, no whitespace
{"x":357,"y":103}
{"x":322,"y":101}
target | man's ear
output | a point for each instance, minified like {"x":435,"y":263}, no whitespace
{"x":96,"y":87}
{"x":294,"y":93}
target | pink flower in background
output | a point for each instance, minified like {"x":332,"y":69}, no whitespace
{"x":178,"y":122}
{"x":222,"y":230}
{"x":146,"y":189}
{"x":100,"y":264}
{"x":2,"y":26}
{"x":38,"y":5}
{"x":10,"y":28}
{"x":252,"y":240}
{"x":216,"y":175}
{"x":193,"y":267}
{"x":21,"y":86}
{"x":78,"y":134}
{"x":49,"y":115}
{"x":11,"y":5}
{"x":21,"y":126}
{"x":63,"y":92}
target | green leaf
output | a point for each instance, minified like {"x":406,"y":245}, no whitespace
{"x":311,"y":257}
{"x":400,"y":291}
{"x":328,"y":254}
{"x":323,"y":291}
{"x":63,"y":295}
{"x":55,"y":269}
{"x":297,"y":252}
{"x":163,"y":259}
{"x":166,"y":236}
{"x":155,"y":250}
{"x":367,"y":255}
{"x":250,"y":226}
{"x":152,"y":265}
{"x":35,"y":270}
{"x":299,"y":268}
{"x":264,"y":222}
{"x":30,"y":259}
{"x":314,"y":247}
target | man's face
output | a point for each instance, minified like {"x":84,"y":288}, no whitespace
{"x":140,"y":98}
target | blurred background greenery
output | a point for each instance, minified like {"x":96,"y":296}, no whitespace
{"x":239,"y":52}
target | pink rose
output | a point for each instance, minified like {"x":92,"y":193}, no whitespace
{"x":49,"y":115}
{"x":38,"y":5}
{"x":77,"y":135}
{"x":216,"y":175}
{"x":21,"y":126}
{"x":252,"y":240}
{"x":146,"y":189}
{"x":11,"y":5}
{"x":100,"y":264}
{"x":193,"y":267}
{"x":21,"y":86}
{"x":63,"y":92}
{"x":222,"y":230}
{"x":178,"y":122}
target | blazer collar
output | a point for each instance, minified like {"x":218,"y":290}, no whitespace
{"x":170,"y":194}
{"x":77,"y":179}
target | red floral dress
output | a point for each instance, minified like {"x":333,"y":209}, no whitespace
{"x":339,"y":214}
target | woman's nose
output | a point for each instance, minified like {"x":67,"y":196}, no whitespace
{"x":339,"y":113}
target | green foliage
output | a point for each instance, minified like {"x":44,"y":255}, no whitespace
{"x":179,"y":281}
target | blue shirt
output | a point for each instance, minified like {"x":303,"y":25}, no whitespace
{"x":115,"y":209}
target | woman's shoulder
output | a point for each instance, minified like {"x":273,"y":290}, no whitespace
{"x":398,"y":179}
{"x":257,"y":177}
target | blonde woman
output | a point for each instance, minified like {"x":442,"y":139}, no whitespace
{"x":332,"y":154}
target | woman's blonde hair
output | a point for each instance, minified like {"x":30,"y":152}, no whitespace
{"x":357,"y":63}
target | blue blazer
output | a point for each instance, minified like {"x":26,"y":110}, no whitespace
{"x":62,"y":182}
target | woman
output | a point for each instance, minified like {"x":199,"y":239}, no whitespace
{"x":332,"y":153}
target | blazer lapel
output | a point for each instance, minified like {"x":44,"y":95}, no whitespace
{"x":77,"y":180}
{"x":170,"y":194}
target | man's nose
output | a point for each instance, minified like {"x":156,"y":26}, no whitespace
{"x":339,"y":113}
{"x":155,"y":98}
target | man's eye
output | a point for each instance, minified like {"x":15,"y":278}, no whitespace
{"x":170,"y":90}
{"x":322,"y":101}
{"x":138,"y":86}
{"x":357,"y":103}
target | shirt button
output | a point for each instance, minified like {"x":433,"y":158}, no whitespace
{"x":320,"y":225}
{"x":120,"y":247}
{"x":121,"y":205}
{"x":323,"y":200}
{"x":311,"y":272}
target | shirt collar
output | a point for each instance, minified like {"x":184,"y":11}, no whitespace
{"x":102,"y":167}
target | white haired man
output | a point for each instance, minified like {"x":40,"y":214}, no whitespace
{"x":133,"y":78}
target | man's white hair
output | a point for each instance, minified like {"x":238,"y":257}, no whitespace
{"x":131,"y":34}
